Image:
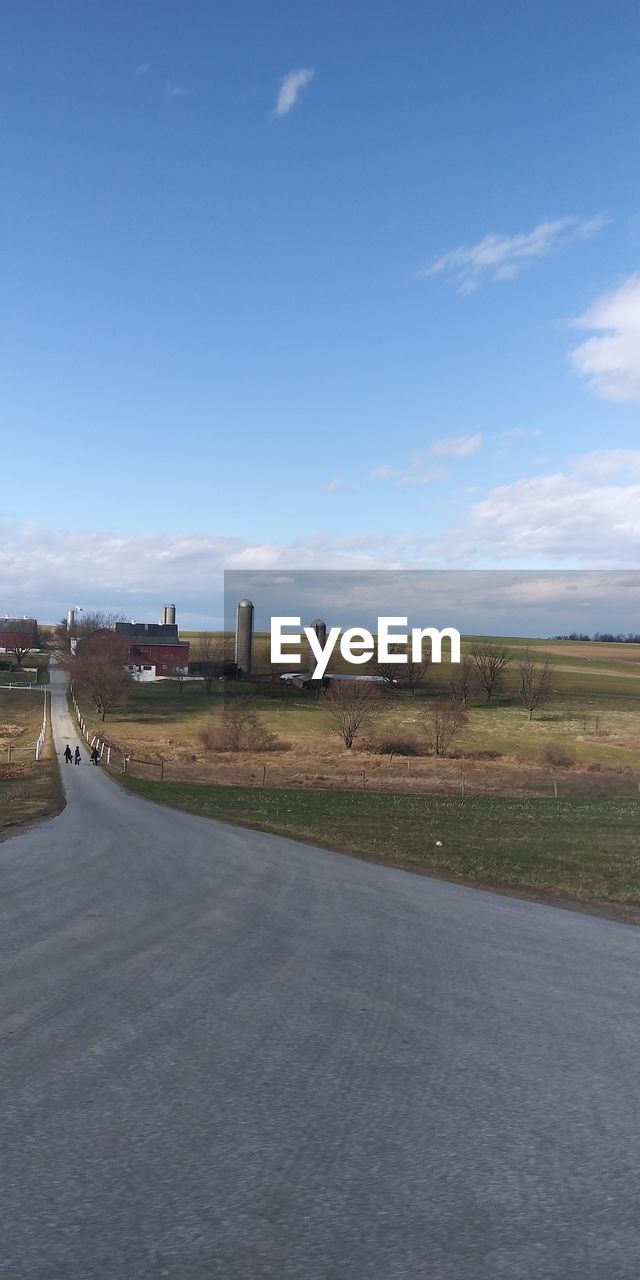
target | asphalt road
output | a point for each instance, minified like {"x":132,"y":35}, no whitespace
{"x":226,"y":1055}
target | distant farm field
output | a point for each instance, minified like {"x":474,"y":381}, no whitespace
{"x":586,"y":740}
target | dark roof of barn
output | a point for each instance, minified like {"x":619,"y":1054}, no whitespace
{"x":149,"y":632}
{"x":18,"y":624}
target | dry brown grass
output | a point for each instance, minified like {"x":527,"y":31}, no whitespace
{"x":28,"y":789}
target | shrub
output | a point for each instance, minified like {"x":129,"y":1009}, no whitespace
{"x":393,"y":744}
{"x":441,"y":721}
{"x":558,"y":754}
{"x":238,"y":730}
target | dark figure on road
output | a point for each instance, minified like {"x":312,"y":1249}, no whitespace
{"x":77,"y":755}
{"x":67,"y":754}
{"x":95,"y":756}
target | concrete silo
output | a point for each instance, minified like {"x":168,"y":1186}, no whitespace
{"x":244,"y":636}
{"x":169,"y":615}
{"x":320,"y":629}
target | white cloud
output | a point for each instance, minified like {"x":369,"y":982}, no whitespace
{"x":172,"y":89}
{"x":589,"y":513}
{"x":44,"y":571}
{"x":457,"y":446}
{"x":290,"y":89}
{"x":142,"y":68}
{"x":499,"y":257}
{"x":610,"y":361}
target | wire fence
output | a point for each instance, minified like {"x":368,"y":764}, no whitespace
{"x":404,"y":776}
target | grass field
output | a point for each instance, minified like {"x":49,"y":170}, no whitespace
{"x":586,"y":849}
{"x":593,"y":717}
{"x":28,"y":789}
{"x":34,"y":669}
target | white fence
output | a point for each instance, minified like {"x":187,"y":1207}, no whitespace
{"x":39,"y":688}
{"x":92,"y":738}
{"x":43,"y":732}
{"x":12,"y":751}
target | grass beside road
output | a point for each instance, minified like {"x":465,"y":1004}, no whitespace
{"x":578,"y":848}
{"x":28,"y":789}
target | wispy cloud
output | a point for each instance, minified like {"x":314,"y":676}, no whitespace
{"x":610,"y":360}
{"x":415,"y":474}
{"x":173,"y":89}
{"x":419,"y":470}
{"x":291,"y":86}
{"x":522,"y":433}
{"x":500,"y":257}
{"x":142,"y":68}
{"x":457,"y":446}
{"x":340,"y":484}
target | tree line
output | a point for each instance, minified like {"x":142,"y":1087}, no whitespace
{"x":603,"y":637}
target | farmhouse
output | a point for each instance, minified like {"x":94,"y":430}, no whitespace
{"x":153,"y":649}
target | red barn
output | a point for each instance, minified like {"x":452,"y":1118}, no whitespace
{"x":154,"y":649}
{"x":18,"y":634}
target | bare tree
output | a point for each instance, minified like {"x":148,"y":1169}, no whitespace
{"x":96,"y":620}
{"x":535,"y":682}
{"x":491,"y":662}
{"x":441,"y":720}
{"x":177,"y":674}
{"x":414,"y":674}
{"x":98,"y":669}
{"x":408,"y":675}
{"x":20,"y":641}
{"x":90,"y":622}
{"x":208,"y":655}
{"x":348,"y":705}
{"x":463,"y":680}
{"x":388,"y":671}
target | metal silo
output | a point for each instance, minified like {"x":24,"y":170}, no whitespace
{"x":169,"y":615}
{"x":244,"y":636}
{"x":71,"y":619}
{"x":320,"y":629}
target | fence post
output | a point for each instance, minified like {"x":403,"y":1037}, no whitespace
{"x":161,"y":770}
{"x":264,"y":773}
{"x":108,"y":755}
{"x":555,"y":788}
{"x":462,"y":784}
{"x":125,"y":764}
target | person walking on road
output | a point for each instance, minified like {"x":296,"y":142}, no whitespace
{"x":95,"y":756}
{"x":67,"y":754}
{"x":77,"y":756}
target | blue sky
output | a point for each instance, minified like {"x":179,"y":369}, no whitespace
{"x":393,"y":323}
